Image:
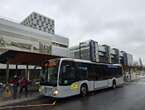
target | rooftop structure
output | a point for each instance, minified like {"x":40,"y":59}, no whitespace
{"x":40,"y":22}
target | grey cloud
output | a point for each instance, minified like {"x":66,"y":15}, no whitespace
{"x":119,"y":23}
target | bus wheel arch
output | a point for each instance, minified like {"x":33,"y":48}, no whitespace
{"x":114,"y":84}
{"x":84,"y":89}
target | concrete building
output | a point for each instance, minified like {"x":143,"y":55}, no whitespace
{"x":104,"y":54}
{"x":40,"y":22}
{"x":91,"y":50}
{"x":24,"y":37}
{"x":14,"y":36}
{"x":87,"y":50}
{"x":115,"y":55}
{"x":126,"y":58}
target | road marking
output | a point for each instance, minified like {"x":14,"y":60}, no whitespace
{"x":139,"y":83}
{"x":25,"y":106}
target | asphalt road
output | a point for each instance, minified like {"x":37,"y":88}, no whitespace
{"x":129,"y":97}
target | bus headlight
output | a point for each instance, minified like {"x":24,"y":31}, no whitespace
{"x":41,"y":88}
{"x":55,"y":92}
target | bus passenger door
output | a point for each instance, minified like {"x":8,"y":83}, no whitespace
{"x":101,"y":81}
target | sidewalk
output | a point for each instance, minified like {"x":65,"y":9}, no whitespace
{"x":10,"y":100}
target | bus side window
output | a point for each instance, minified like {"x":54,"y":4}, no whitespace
{"x":91,"y":72}
{"x":106,"y":72}
{"x":99,"y":72}
{"x":82,"y":71}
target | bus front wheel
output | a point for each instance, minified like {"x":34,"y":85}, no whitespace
{"x":84,"y":90}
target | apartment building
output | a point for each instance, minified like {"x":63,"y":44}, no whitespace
{"x":91,"y":50}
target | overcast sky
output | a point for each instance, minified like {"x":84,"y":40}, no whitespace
{"x":118,"y":23}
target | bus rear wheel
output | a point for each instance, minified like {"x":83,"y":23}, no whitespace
{"x":84,"y":90}
{"x":114,"y":84}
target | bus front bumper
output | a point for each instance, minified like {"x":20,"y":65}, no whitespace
{"x":49,"y":91}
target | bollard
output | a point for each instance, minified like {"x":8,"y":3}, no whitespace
{"x":1,"y":91}
{"x":7,"y":91}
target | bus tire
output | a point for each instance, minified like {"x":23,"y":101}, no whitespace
{"x":84,"y":90}
{"x":114,"y":84}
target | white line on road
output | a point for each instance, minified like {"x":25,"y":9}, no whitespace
{"x":140,"y":83}
{"x":25,"y":106}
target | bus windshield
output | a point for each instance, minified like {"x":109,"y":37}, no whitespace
{"x":67,"y":73}
{"x":49,"y":72}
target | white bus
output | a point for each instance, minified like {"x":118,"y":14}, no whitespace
{"x":66,"y":77}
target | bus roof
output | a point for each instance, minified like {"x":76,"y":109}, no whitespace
{"x":87,"y":61}
{"x":77,"y":60}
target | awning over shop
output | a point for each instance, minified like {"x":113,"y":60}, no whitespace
{"x":24,"y":58}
